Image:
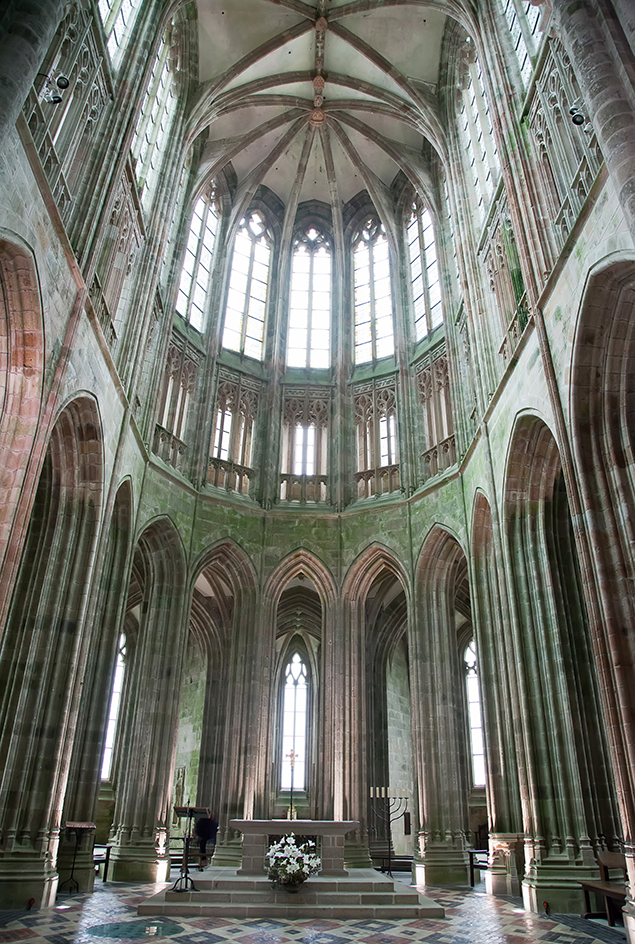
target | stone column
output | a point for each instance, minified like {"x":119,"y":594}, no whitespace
{"x":436,"y":713}
{"x":26,"y":32}
{"x":608,"y":102}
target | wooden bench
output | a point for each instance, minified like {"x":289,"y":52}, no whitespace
{"x":611,"y":891}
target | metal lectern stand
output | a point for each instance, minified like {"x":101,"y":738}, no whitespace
{"x":80,"y":829}
{"x":184,"y":883}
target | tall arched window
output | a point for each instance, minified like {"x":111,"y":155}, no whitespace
{"x":197,"y":265}
{"x":523,"y":21}
{"x":308,"y":342}
{"x":247,"y":297}
{"x":424,"y":272}
{"x":294,"y":725}
{"x":476,"y":132}
{"x":153,"y":124}
{"x":474,"y":715}
{"x":118,"y":17}
{"x":115,"y":704}
{"x":374,"y":337}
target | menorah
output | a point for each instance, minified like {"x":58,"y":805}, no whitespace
{"x":390,"y":804}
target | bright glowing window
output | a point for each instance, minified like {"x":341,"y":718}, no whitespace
{"x":523,"y":20}
{"x":424,"y":272}
{"x":308,"y":343}
{"x":477,"y":136}
{"x":373,"y":296}
{"x":294,"y":725}
{"x":474,"y":715}
{"x":115,"y":704}
{"x":247,"y":297}
{"x":197,"y":265}
{"x":153,"y":124}
{"x":118,"y":17}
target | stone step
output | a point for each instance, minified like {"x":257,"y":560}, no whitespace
{"x":291,"y":911}
{"x":223,"y":892}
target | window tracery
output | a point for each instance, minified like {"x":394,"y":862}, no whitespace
{"x":248,"y":288}
{"x":375,"y":408}
{"x":474,"y":715}
{"x":308,"y":343}
{"x":113,"y":711}
{"x":232,"y":439}
{"x":374,"y":335}
{"x":304,"y":446}
{"x":424,"y":272}
{"x":433,"y":382}
{"x":181,"y":374}
{"x":194,"y":285}
{"x":294,"y":725}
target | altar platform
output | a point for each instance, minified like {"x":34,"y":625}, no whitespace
{"x":363,"y":893}
{"x":333,"y":893}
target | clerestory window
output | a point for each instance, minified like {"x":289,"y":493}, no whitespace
{"x":153,"y":124}
{"x":523,"y":23}
{"x":194,"y":286}
{"x":294,"y":725}
{"x":424,"y":272}
{"x":308,"y":343}
{"x":476,"y":133}
{"x":374,"y":336}
{"x":113,"y":713}
{"x":248,"y":288}
{"x":474,"y":715}
{"x":118,"y":17}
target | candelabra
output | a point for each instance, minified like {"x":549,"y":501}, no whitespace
{"x":390,"y":804}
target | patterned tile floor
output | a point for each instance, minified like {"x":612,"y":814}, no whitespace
{"x":472,"y":917}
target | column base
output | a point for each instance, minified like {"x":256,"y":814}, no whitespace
{"x":501,"y":877}
{"x":27,"y":882}
{"x":138,"y":863}
{"x":553,"y":887}
{"x":228,"y":854}
{"x":628,"y":914}
{"x":441,"y":864}
{"x":356,"y":855}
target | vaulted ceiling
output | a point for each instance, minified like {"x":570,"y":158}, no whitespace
{"x":318,"y":101}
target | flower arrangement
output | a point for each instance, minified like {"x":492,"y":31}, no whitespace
{"x":289,"y":864}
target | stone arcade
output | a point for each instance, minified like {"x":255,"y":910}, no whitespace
{"x":317,"y":343}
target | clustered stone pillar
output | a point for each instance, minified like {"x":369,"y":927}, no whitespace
{"x":608,"y":103}
{"x":26,"y":32}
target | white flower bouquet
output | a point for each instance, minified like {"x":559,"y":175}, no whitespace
{"x":289,"y":864}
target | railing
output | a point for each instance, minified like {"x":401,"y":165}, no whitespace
{"x":439,"y":458}
{"x":229,"y":475}
{"x":303,"y":488}
{"x":49,"y":159}
{"x":168,"y":446}
{"x":381,"y":481}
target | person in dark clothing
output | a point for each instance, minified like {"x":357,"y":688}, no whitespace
{"x":206,"y":829}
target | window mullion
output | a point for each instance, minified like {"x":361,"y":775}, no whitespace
{"x":243,"y":333}
{"x":371,"y":286}
{"x":197,"y":259}
{"x":424,"y":272}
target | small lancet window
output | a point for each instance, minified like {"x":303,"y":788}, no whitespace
{"x":247,"y":297}
{"x":374,"y":337}
{"x":424,"y":272}
{"x":118,"y":17}
{"x":294,"y":723}
{"x":115,"y":704}
{"x":474,"y":715}
{"x":310,"y":308}
{"x":197,"y":265}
